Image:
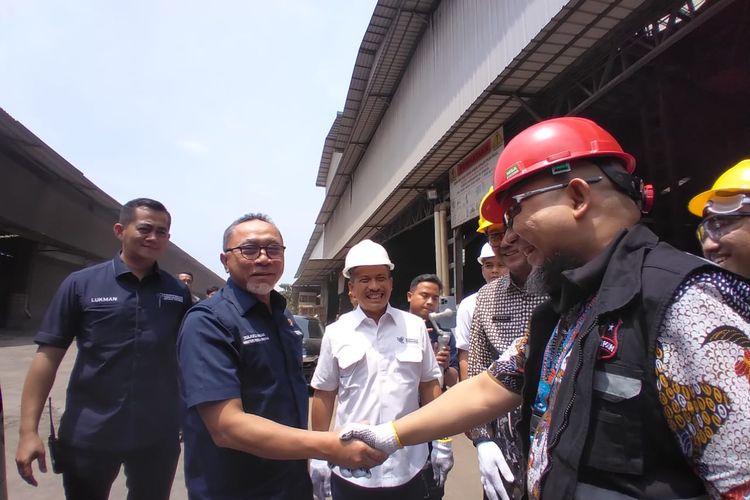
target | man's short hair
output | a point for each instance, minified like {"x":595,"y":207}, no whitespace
{"x":245,"y":218}
{"x":188,"y":273}
{"x":211,"y":290}
{"x":127,"y":212}
{"x":430,"y":278}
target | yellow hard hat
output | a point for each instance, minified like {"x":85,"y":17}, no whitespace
{"x":734,"y":180}
{"x":485,"y":224}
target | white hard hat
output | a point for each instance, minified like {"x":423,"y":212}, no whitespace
{"x":366,"y":253}
{"x":486,"y":253}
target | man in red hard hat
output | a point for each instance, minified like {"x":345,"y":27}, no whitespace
{"x":634,"y":380}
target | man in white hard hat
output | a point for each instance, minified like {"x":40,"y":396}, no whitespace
{"x":492,"y":268}
{"x":379,"y":362}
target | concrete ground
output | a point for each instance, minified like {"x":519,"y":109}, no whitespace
{"x":15,"y":356}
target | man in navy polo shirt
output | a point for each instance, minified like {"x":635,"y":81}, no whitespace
{"x":122,"y":403}
{"x":240,"y":359}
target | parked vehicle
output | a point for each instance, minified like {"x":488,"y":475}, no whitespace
{"x":312,"y":332}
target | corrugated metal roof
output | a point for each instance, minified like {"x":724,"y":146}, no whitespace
{"x":394,"y":31}
{"x":568,"y":35}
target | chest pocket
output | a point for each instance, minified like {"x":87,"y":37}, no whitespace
{"x":409,"y":367}
{"x":110,"y":322}
{"x":351,"y":363}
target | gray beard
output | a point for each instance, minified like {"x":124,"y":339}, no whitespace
{"x":261,"y":289}
{"x":535,"y":283}
{"x":547,"y":278}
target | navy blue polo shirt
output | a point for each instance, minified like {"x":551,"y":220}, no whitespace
{"x":123,"y":392}
{"x":232,"y":347}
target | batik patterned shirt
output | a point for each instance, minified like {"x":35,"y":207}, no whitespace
{"x":703,"y":382}
{"x":501,"y":315}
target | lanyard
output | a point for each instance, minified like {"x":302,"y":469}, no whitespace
{"x":555,"y":354}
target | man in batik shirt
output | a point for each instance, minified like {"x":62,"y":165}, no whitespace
{"x":502,"y":313}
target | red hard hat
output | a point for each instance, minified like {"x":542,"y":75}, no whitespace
{"x":544,"y":145}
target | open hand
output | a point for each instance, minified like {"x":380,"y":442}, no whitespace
{"x":30,"y":448}
{"x":492,"y":465}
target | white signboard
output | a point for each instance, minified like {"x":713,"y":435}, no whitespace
{"x":472,"y":177}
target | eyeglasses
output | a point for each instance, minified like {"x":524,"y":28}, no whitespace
{"x":495,"y":236}
{"x":726,"y":203}
{"x":251,"y":251}
{"x":717,"y":226}
{"x":515,"y":209}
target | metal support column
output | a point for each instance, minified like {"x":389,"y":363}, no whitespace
{"x":458,"y":261}
{"x":441,"y":245}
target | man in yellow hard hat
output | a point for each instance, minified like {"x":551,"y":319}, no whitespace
{"x":724,"y":232}
{"x":492,"y":268}
{"x":501,"y":313}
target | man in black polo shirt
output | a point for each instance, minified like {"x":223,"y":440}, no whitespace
{"x":240,"y":359}
{"x":122,"y":402}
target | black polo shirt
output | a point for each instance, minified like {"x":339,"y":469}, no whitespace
{"x":230,"y":346}
{"x":123,"y":392}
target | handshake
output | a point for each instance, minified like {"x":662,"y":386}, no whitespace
{"x":383,"y":438}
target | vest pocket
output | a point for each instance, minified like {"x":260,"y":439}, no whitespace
{"x":615,"y":442}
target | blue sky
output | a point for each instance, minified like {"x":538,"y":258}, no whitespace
{"x":214,"y":108}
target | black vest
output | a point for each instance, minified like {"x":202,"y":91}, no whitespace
{"x":607,"y":427}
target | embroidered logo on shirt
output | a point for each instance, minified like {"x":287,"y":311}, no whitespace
{"x":406,"y":340}
{"x":96,"y":300}
{"x":254,"y":338}
{"x":609,"y":343}
{"x":171,"y":297}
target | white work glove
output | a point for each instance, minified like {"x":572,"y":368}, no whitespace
{"x":491,"y":465}
{"x":382,"y":437}
{"x":320,"y":474}
{"x":356,"y":473}
{"x":441,"y":459}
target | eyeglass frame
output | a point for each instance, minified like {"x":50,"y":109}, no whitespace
{"x":260,"y":248}
{"x":496,"y":236}
{"x":511,"y":214}
{"x":710,"y":233}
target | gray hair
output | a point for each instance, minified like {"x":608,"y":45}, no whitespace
{"x":245,"y":218}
